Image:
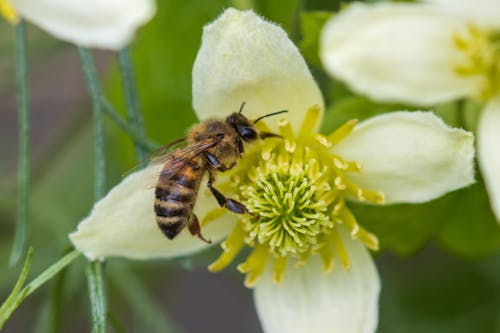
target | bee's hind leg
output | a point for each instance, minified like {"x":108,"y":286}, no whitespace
{"x":231,"y":204}
{"x":195,"y":229}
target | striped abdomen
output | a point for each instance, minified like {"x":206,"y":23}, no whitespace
{"x":176,"y":197}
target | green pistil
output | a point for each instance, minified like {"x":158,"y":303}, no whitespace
{"x":291,"y":206}
{"x":297,"y":187}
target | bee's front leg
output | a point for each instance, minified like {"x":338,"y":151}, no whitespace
{"x":231,"y":204}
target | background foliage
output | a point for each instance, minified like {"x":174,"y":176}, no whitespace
{"x":439,"y":263}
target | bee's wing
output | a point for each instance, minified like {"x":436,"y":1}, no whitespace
{"x":178,"y":159}
{"x":158,"y":156}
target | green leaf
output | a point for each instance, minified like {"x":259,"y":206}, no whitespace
{"x":278,"y":11}
{"x":311,"y":24}
{"x":435,"y":293}
{"x":403,"y":228}
{"x":470,"y":229}
{"x":355,"y":107}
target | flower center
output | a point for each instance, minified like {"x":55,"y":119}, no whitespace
{"x":482,"y":59}
{"x":291,"y":195}
{"x":7,"y":11}
{"x":297,"y":188}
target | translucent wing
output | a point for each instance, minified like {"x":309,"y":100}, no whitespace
{"x":158,"y":156}
{"x":178,"y":159}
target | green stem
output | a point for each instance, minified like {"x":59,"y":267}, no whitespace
{"x":132,"y":98}
{"x":138,"y":137}
{"x":18,"y":295}
{"x":94,"y":272}
{"x":91,"y":77}
{"x":23,"y":173}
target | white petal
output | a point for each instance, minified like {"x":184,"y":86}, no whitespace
{"x":409,"y":156}
{"x":123,"y":224}
{"x":396,"y":52}
{"x":310,"y":300}
{"x":483,"y":13}
{"x":489,"y":152}
{"x":244,"y":58}
{"x":106,"y":24}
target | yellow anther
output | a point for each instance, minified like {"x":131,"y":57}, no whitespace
{"x":7,"y":11}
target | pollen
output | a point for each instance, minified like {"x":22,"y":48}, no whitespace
{"x":481,"y":52}
{"x":297,"y":188}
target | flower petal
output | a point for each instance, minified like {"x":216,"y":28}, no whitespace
{"x":489,"y":153}
{"x":397,"y":52}
{"x":123,"y":224}
{"x":244,"y":58}
{"x":106,"y":24}
{"x":409,"y":156}
{"x":310,"y":300}
{"x":483,"y":13}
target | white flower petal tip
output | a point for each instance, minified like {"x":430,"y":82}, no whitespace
{"x":123,"y":224}
{"x":482,"y":13}
{"x":107,"y":24}
{"x":397,"y":52}
{"x":244,"y":58}
{"x":310,"y":300}
{"x":489,"y":153}
{"x":409,"y":156}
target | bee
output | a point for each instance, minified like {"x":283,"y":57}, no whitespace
{"x":213,"y":145}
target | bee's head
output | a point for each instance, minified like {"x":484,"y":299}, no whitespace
{"x":243,"y":126}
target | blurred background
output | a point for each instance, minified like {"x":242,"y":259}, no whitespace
{"x":439,"y":264}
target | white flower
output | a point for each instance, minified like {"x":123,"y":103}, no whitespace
{"x":424,"y":54}
{"x":297,"y":184}
{"x":108,"y":24}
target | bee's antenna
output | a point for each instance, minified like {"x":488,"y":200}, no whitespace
{"x":269,"y":115}
{"x":241,"y":107}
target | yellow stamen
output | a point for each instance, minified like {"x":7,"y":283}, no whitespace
{"x":340,"y":249}
{"x":231,"y":246}
{"x":7,"y":11}
{"x":212,"y":215}
{"x":311,"y":120}
{"x":326,"y":255}
{"x":254,"y":265}
{"x":343,"y":131}
{"x":279,"y":269}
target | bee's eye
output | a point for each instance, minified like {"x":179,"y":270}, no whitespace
{"x":248,"y":133}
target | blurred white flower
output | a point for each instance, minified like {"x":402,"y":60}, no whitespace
{"x":297,"y":184}
{"x":108,"y":24}
{"x":424,"y":54}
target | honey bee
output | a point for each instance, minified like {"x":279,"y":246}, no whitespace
{"x":211,"y":145}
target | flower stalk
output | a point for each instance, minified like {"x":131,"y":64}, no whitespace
{"x":23,"y":172}
{"x":94,"y":271}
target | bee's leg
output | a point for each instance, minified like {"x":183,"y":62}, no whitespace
{"x":195,"y":230}
{"x":215,"y":163}
{"x":231,"y":204}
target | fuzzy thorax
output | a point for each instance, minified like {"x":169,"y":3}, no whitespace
{"x":298,"y":188}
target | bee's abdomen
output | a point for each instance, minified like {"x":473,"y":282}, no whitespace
{"x":175,"y":199}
